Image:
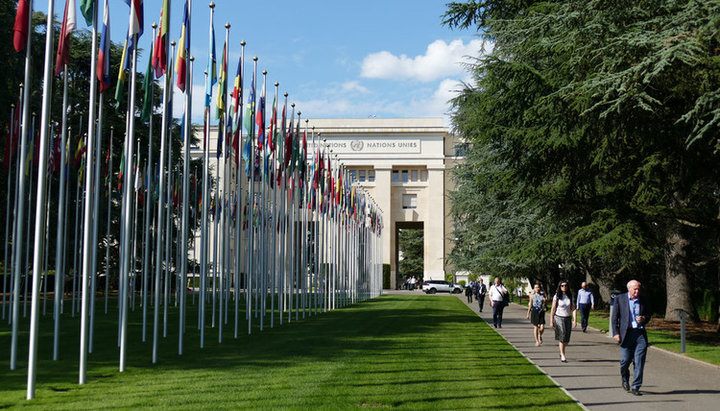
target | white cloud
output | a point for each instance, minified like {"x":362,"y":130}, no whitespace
{"x":354,"y":86}
{"x":440,"y":60}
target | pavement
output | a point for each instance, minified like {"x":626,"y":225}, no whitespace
{"x":592,"y":374}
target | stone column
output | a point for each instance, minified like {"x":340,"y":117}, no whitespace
{"x":434,"y":235}
{"x":383,"y":192}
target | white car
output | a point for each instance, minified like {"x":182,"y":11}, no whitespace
{"x":434,"y":286}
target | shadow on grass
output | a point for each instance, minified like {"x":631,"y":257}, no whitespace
{"x":371,"y":340}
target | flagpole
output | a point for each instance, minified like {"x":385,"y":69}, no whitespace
{"x":7,"y":207}
{"x":38,"y":247}
{"x":16,"y":205}
{"x":160,"y":213}
{"x":237,"y":134}
{"x":262,"y":228}
{"x":275,"y":218}
{"x":130,"y":140}
{"x":148,"y":207}
{"x":17,"y":246}
{"x":185,"y":216}
{"x":109,"y":212}
{"x":59,"y":244}
{"x":221,"y":134}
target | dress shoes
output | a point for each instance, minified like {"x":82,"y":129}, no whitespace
{"x":636,"y":391}
{"x":626,"y":386}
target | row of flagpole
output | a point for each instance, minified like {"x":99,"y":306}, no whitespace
{"x":291,"y":234}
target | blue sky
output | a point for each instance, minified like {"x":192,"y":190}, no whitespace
{"x":389,"y":58}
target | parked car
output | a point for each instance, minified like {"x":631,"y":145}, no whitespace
{"x":434,"y":286}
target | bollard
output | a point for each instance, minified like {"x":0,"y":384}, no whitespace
{"x":613,"y":294}
{"x":682,"y":331}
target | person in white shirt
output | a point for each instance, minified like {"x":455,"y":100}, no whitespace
{"x":497,"y":301}
{"x":563,"y":316}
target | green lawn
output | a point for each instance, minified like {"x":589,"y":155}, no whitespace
{"x":411,"y":352}
{"x":665,"y":340}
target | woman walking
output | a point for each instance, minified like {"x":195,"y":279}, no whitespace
{"x":536,"y":313}
{"x":560,"y":316}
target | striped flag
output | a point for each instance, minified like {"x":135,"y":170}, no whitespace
{"x":159,"y":56}
{"x":135,"y":25}
{"x":183,"y":50}
{"x":21,"y":28}
{"x":147,"y":88}
{"x":272,"y":133}
{"x":211,"y":78}
{"x":68,"y":26}
{"x":260,"y":117}
{"x":222,"y":79}
{"x":234,"y":109}
{"x":121,"y":76}
{"x":103,"y":61}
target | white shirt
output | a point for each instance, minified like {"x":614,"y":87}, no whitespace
{"x":496,"y":292}
{"x":563,"y":308}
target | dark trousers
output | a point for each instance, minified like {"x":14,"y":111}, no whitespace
{"x":498,"y":308}
{"x":584,"y":315}
{"x":469,"y":298}
{"x":633,"y":349}
{"x":481,"y":301}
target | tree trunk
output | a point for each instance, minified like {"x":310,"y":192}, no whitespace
{"x":677,"y":280}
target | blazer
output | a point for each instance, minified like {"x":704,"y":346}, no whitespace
{"x":621,"y":320}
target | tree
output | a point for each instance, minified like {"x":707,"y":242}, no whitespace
{"x":599,"y":117}
{"x":410,"y":245}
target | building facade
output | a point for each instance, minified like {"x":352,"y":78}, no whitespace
{"x":404,"y":164}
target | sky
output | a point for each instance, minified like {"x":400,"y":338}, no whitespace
{"x":358,"y":59}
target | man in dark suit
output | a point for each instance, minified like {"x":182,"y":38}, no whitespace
{"x":628,"y":322}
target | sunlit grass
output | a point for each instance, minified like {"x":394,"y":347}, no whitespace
{"x":409,"y":352}
{"x":665,"y":340}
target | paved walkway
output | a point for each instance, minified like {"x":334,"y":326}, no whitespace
{"x":592,"y":373}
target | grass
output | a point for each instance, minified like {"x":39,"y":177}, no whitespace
{"x":665,"y":340}
{"x":408,"y":352}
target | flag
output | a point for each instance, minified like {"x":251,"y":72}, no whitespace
{"x":147,"y":88}
{"x":136,"y":24}
{"x":86,"y":8}
{"x":222,"y":79}
{"x":103,"y":61}
{"x":121,"y":76}
{"x":31,"y":149}
{"x":211,"y":78}
{"x":159,"y":56}
{"x":122,"y":168}
{"x":81,"y":149}
{"x":138,"y":178}
{"x":260,"y":117}
{"x":183,"y":50}
{"x":234,"y":107}
{"x":21,"y":28}
{"x":250,"y":107}
{"x":248,"y":123}
{"x":12,"y":136}
{"x":272,"y":134}
{"x":68,"y":26}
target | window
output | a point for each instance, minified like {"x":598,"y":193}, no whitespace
{"x":353,"y":175}
{"x":371,"y":176}
{"x":409,"y":201}
{"x":396,"y":176}
{"x":414,"y":175}
{"x":361,"y":175}
{"x":461,"y":150}
{"x":404,"y":176}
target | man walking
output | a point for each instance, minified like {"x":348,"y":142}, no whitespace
{"x":628,"y":322}
{"x":482,"y":291}
{"x":585,"y":302}
{"x":497,"y":301}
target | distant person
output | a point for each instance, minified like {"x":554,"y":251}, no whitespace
{"x":497,"y":301}
{"x":536,"y":313}
{"x":585,"y":303}
{"x":413,"y":282}
{"x":482,"y":292}
{"x":469,"y":293}
{"x":631,"y":314}
{"x":563,"y":317}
